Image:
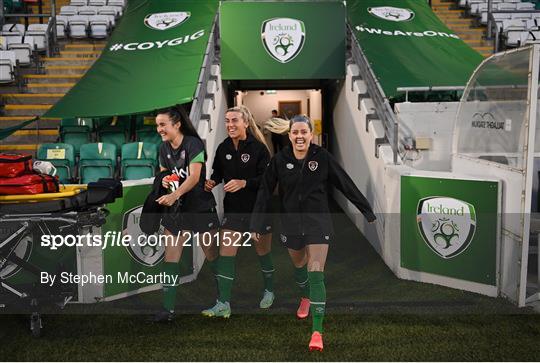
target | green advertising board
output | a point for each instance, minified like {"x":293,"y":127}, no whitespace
{"x":130,"y":266}
{"x":449,"y":227}
{"x":152,"y":60}
{"x":282,"y":40}
{"x":407,"y":45}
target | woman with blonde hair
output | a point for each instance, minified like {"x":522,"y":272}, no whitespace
{"x":239,"y":163}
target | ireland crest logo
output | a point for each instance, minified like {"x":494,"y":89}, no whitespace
{"x":23,"y":250}
{"x":146,"y":251}
{"x":447,"y":225}
{"x":283,"y":38}
{"x":391,"y":13}
{"x":164,"y":21}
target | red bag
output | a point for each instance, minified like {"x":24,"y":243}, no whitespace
{"x":12,"y":165}
{"x":29,"y":184}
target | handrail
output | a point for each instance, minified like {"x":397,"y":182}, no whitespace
{"x":204,"y":76}
{"x":428,"y":89}
{"x":382,"y":105}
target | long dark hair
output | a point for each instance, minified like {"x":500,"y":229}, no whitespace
{"x":177,"y":114}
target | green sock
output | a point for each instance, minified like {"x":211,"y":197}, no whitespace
{"x":317,"y":296}
{"x":170,"y":270}
{"x":301,"y":278}
{"x":226,"y":271}
{"x":267,"y":268}
{"x":214,"y":268}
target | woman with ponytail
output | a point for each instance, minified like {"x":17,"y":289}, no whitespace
{"x":240,"y":162}
{"x":190,"y":207}
{"x":304,"y":172}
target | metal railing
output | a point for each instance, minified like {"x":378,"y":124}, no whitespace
{"x":205,"y":75}
{"x":428,"y":89}
{"x":382,"y":105}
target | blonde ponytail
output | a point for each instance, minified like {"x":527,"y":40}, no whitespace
{"x":252,"y":126}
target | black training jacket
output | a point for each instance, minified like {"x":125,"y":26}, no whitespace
{"x":247,"y":163}
{"x":303,"y":191}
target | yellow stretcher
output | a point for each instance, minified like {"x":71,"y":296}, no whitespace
{"x":65,"y":191}
{"x":73,"y":210}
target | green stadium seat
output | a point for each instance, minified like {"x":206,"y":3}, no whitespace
{"x":62,"y":156}
{"x":76,"y":136}
{"x":79,"y":121}
{"x":148,"y":134}
{"x":115,"y":135}
{"x":139,"y":160}
{"x":97,"y":160}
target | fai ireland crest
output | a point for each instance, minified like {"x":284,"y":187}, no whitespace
{"x":245,"y":158}
{"x":313,"y":165}
{"x":164,"y":21}
{"x":144,"y":249}
{"x":283,"y":38}
{"x":392,"y":13}
{"x":447,"y":225}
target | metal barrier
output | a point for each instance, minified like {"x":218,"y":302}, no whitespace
{"x":204,"y":76}
{"x":382,"y":105}
{"x":428,"y":89}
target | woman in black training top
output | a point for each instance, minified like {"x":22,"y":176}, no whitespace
{"x":191,"y":208}
{"x":240,"y":162}
{"x":304,"y":172}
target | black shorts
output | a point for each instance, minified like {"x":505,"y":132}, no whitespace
{"x":240,"y":222}
{"x":196,"y":222}
{"x":297,"y":242}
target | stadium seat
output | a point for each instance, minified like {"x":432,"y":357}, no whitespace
{"x":62,"y":156}
{"x":97,"y":2}
{"x":100,"y":25}
{"x":148,"y":134}
{"x":8,"y":62}
{"x":121,"y":3}
{"x":14,"y":28}
{"x":113,"y":135}
{"x":96,"y":161}
{"x":87,"y":10}
{"x":61,"y":25}
{"x":139,"y":160}
{"x":68,"y":10}
{"x":77,"y":26}
{"x":110,"y":10}
{"x":39,"y":33}
{"x":78,"y":3}
{"x":23,"y":48}
{"x":76,"y":131}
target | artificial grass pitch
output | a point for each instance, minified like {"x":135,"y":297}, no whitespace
{"x":371,"y":315}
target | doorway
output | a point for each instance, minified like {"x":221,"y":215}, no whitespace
{"x":287,"y":103}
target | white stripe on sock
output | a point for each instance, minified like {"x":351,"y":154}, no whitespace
{"x":225,"y":277}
